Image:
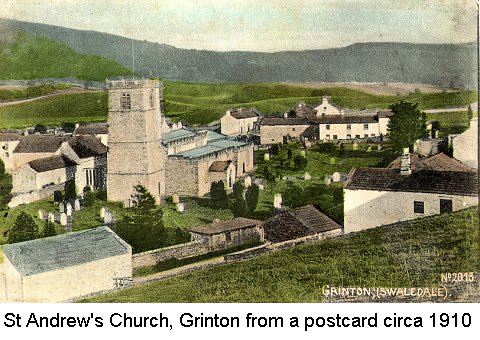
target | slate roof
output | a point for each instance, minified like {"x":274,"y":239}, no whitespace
{"x":62,"y":251}
{"x":219,"y":166}
{"x":177,"y":134}
{"x":311,"y":131}
{"x":242,"y":113}
{"x":304,"y":110}
{"x":9,"y":136}
{"x":92,"y":129}
{"x":425,"y":181}
{"x":272,"y":121}
{"x":438,"y":162}
{"x":222,"y":226}
{"x":39,"y":144}
{"x":87,"y":146}
{"x":298,"y":222}
{"x":211,"y":148}
{"x":51,"y":163}
{"x":346,"y":119}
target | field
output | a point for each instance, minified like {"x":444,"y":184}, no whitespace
{"x":409,"y":254}
{"x":206,"y":103}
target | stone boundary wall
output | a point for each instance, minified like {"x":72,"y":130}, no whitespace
{"x":178,"y":251}
{"x":88,"y":84}
{"x":29,"y":197}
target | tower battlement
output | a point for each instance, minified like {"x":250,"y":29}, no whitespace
{"x":133,"y":84}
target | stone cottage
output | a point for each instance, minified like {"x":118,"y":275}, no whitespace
{"x":465,"y":145}
{"x":64,"y":267}
{"x":99,"y":130}
{"x":237,"y":122}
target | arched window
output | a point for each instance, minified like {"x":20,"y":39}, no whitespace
{"x":125,"y":101}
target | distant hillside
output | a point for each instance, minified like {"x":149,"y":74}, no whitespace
{"x":444,"y":65}
{"x":25,"y":56}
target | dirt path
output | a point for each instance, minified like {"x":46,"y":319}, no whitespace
{"x":453,"y":109}
{"x":70,"y":90}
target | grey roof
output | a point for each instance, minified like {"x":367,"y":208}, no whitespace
{"x":62,"y":251}
{"x":212,"y":136}
{"x":285,"y":121}
{"x":210,"y":148}
{"x":346,"y":119}
{"x":87,"y":146}
{"x":438,"y":162}
{"x":9,"y":136}
{"x":177,"y":134}
{"x":425,"y":181}
{"x":92,"y":129}
{"x":243,"y":113}
{"x":314,"y":219}
{"x":222,"y":226}
{"x":39,"y":144}
{"x":51,"y":163}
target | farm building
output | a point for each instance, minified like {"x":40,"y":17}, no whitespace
{"x":64,"y":267}
{"x":226,"y":234}
{"x":299,"y":222}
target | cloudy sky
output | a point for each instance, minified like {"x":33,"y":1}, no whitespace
{"x":265,"y":25}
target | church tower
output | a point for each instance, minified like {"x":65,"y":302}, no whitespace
{"x":135,"y":154}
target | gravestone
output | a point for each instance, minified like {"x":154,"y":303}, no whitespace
{"x":61,"y":207}
{"x":307,"y":176}
{"x":41,"y":214}
{"x":63,"y":219}
{"x":76,"y":204}
{"x":333,"y":160}
{"x":261,"y":187}
{"x":277,"y":201}
{"x":303,"y":154}
{"x":180,"y":207}
{"x":51,"y":217}
{"x":108,"y":218}
{"x":175,"y":199}
{"x":328,"y":180}
{"x":266,"y":156}
{"x":102,"y":212}
{"x":69,"y":209}
{"x":355,"y":146}
{"x":248,"y":181}
{"x":369,"y":148}
{"x":336,"y":176}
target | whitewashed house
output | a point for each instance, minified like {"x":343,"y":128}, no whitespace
{"x":239,"y":122}
{"x":375,"y":197}
{"x":64,"y":267}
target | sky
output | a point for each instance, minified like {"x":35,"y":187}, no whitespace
{"x":259,"y":25}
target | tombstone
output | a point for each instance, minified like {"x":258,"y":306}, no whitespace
{"x":303,"y":154}
{"x":266,"y":156}
{"x":248,"y":181}
{"x":41,"y":214}
{"x":63,"y":219}
{"x":102,"y":212}
{"x":261,"y":187}
{"x":61,"y":207}
{"x":180,"y":207}
{"x":284,"y":178}
{"x":69,"y":209}
{"x":380,"y":147}
{"x":175,"y":199}
{"x":307,"y":176}
{"x":355,"y":146}
{"x":277,"y":201}
{"x":336,"y":177}
{"x":77,"y":204}
{"x":369,"y":148}
{"x":108,"y":217}
{"x":51,"y":217}
{"x":328,"y":180}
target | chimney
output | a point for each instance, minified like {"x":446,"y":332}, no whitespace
{"x":285,"y":115}
{"x":405,"y":166}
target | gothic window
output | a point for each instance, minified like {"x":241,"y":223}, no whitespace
{"x":125,"y":101}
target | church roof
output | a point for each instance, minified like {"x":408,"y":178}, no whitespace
{"x":177,"y":134}
{"x":243,"y":113}
{"x":211,"y":148}
{"x":63,"y":251}
{"x":92,"y":129}
{"x":51,"y":163}
{"x":39,"y":144}
{"x":87,"y":146}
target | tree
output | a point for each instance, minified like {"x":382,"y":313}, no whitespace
{"x":49,"y":229}
{"x":142,"y":226}
{"x":405,"y":126}
{"x":70,"y":190}
{"x":24,"y":229}
{"x":300,"y":162}
{"x":5,"y":186}
{"x":239,"y":206}
{"x":251,"y":197}
{"x":218,"y":195}
{"x":57,"y":196}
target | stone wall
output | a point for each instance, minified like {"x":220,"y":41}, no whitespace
{"x":179,"y":251}
{"x":181,"y":177}
{"x":273,"y":134}
{"x":29,"y":197}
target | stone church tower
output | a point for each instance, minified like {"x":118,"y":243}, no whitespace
{"x":135,"y":154}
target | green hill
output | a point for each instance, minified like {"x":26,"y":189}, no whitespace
{"x":25,"y":56}
{"x":409,"y":254}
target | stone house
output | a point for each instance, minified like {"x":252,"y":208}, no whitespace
{"x":326,"y":108}
{"x":64,"y":267}
{"x":226,"y":234}
{"x":239,"y":121}
{"x":99,"y":130}
{"x":274,"y":130}
{"x":465,"y":145}
{"x":375,"y":197}
{"x":8,"y":143}
{"x":299,"y":222}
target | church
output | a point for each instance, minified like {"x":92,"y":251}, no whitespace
{"x":166,"y":158}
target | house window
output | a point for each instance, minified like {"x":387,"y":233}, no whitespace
{"x":349,"y":136}
{"x":228,"y":236}
{"x":327,"y":127}
{"x":365,"y":135}
{"x":365,"y":126}
{"x":293,"y":129}
{"x":89,"y":177}
{"x":327,"y":136}
{"x":446,"y":206}
{"x":349,"y":126}
{"x":357,"y":136}
{"x":125,"y":101}
{"x":334,"y":136}
{"x":418,"y":207}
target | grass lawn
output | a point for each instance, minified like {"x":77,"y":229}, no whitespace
{"x":31,"y":209}
{"x":205,"y":103}
{"x":409,"y":254}
{"x":450,"y":122}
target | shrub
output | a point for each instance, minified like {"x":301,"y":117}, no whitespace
{"x":24,"y":229}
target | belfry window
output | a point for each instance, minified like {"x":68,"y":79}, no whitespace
{"x":125,"y":101}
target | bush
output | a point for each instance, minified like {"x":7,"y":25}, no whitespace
{"x":24,"y":229}
{"x":49,"y":229}
{"x":324,"y":147}
{"x":251,"y":197}
{"x":70,"y":190}
{"x":238,"y":205}
{"x":218,"y":195}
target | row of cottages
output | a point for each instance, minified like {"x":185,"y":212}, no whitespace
{"x":412,"y":187}
{"x":40,"y":164}
{"x":324,"y":122}
{"x":64,"y":267}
